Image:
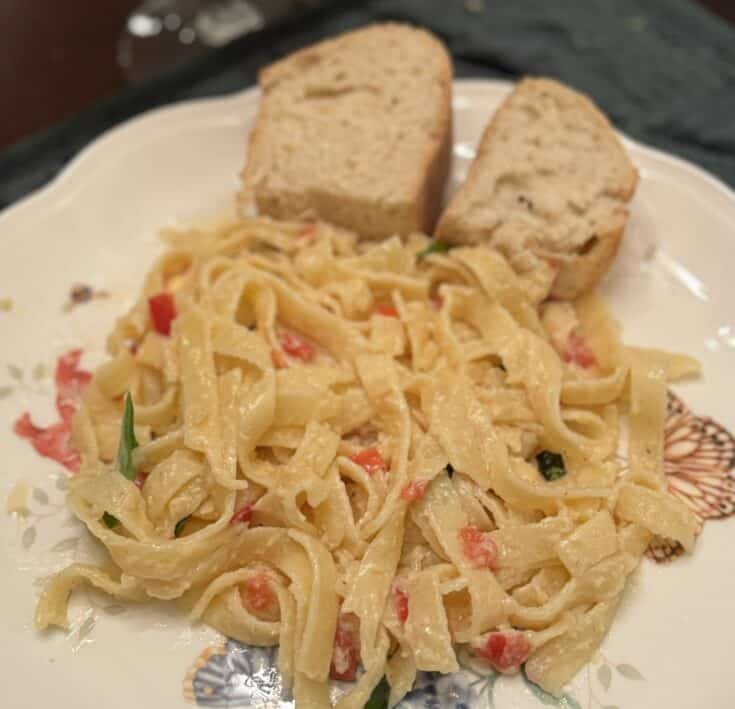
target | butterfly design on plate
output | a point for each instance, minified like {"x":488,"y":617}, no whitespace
{"x":699,"y":462}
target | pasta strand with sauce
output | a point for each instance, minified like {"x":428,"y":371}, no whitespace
{"x":372,"y":458}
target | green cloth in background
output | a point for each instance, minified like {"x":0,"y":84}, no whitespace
{"x":663,"y":70}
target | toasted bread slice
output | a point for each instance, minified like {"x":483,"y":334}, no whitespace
{"x":356,"y":131}
{"x":550,"y":187}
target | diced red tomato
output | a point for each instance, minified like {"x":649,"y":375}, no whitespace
{"x":162,"y":308}
{"x":578,"y":352}
{"x":506,"y":651}
{"x":346,"y":653}
{"x":53,"y":442}
{"x":387,"y":310}
{"x":70,"y":384}
{"x":279,"y":359}
{"x":414,"y":490}
{"x":478,"y":547}
{"x":371,"y":460}
{"x":243,"y":515}
{"x":257,"y":593}
{"x":308,"y":232}
{"x":297,"y":346}
{"x":400,"y":598}
{"x":140,"y":479}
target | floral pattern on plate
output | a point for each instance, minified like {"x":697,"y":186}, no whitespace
{"x":235,"y":675}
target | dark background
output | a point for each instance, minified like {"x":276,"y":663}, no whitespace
{"x":662,"y":70}
{"x":58,"y":56}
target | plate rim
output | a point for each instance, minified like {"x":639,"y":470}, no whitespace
{"x":53,"y":191}
{"x":67,"y":190}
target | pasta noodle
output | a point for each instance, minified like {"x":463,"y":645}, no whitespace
{"x":372,"y":458}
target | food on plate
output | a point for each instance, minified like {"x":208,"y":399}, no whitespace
{"x":549,"y":187}
{"x":382,"y":457}
{"x":320,"y":429}
{"x":356,"y":131}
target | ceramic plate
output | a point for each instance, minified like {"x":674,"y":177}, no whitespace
{"x":93,"y":231}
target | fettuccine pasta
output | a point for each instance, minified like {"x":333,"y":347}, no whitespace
{"x":378,"y":458}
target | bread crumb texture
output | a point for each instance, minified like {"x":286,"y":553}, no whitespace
{"x":349,"y":129}
{"x":550,"y":173}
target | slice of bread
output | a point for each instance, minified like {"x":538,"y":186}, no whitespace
{"x":549,"y":187}
{"x":356,"y":131}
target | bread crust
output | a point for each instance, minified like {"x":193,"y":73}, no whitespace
{"x":430,"y":190}
{"x":585,"y":271}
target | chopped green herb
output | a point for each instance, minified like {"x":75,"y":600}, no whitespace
{"x":435,"y":247}
{"x":127,"y":440}
{"x":551,"y":465}
{"x":109,"y":520}
{"x":450,"y":470}
{"x":179,"y":528}
{"x":379,"y":697}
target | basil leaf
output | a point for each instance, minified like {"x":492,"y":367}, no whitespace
{"x":127,"y":440}
{"x":450,"y":470}
{"x":109,"y":520}
{"x":179,"y":528}
{"x":551,"y":465}
{"x":379,"y":697}
{"x":435,"y":247}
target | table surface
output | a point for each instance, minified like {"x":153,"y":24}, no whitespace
{"x":61,"y":56}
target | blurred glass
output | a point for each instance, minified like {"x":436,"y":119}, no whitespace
{"x":160,"y":33}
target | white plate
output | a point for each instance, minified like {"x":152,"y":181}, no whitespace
{"x":672,"y":287}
